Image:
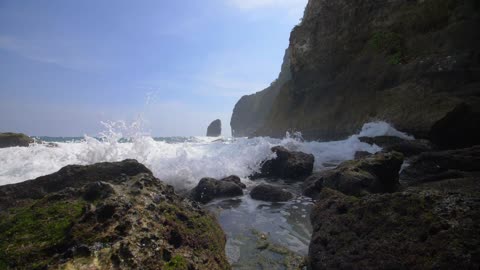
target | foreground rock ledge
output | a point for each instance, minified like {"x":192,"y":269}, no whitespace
{"x":417,"y":229}
{"x":105,"y":216}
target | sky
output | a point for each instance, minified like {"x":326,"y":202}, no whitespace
{"x":67,"y":66}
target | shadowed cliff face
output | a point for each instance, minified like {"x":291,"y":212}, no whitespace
{"x":407,"y":62}
{"x":251,"y":111}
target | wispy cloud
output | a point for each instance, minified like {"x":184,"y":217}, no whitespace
{"x":50,"y":52}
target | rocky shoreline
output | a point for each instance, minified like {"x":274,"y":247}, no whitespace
{"x":398,"y":208}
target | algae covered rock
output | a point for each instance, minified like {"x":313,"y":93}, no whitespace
{"x":434,"y":166}
{"x":372,"y":174}
{"x":105,"y":216}
{"x":287,"y":165}
{"x":415,"y":229}
{"x":9,"y":139}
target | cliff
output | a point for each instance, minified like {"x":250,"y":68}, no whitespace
{"x":251,"y":111}
{"x":407,"y":62}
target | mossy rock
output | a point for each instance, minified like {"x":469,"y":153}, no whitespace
{"x":414,"y":229}
{"x":9,"y":139}
{"x":133,"y":221}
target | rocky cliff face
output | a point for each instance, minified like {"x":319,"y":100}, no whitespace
{"x":404,"y":61}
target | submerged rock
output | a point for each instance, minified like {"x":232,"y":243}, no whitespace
{"x":105,"y":216}
{"x":415,"y":229}
{"x":287,"y":165}
{"x":270,"y":193}
{"x":372,"y":174}
{"x":9,"y":139}
{"x":214,"y":129}
{"x":210,"y":188}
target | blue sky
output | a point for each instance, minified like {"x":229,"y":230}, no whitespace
{"x":65,"y":66}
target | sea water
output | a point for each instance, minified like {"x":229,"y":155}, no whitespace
{"x":258,"y":232}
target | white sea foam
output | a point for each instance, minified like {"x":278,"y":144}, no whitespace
{"x":180,"y":164}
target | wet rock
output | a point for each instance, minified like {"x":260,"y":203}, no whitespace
{"x":269,"y":193}
{"x":97,"y":190}
{"x":361,"y":154}
{"x":381,"y":141}
{"x":234,"y":179}
{"x":214,"y":129}
{"x":417,"y":228}
{"x":86,"y":216}
{"x":406,"y":147}
{"x":287,"y":165}
{"x":459,"y":128}
{"x":210,"y":188}
{"x":73,"y":176}
{"x":9,"y":139}
{"x":434,"y":166}
{"x":373,"y":174}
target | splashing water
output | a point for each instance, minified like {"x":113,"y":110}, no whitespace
{"x":181,"y":163}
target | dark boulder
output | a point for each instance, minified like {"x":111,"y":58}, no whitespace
{"x":459,"y":128}
{"x":214,"y":129}
{"x":287,"y":165}
{"x":210,"y":188}
{"x":414,"y":229}
{"x":234,"y":179}
{"x":106,"y":216}
{"x":269,"y":193}
{"x":373,"y":174}
{"x":434,"y":166}
{"x":9,"y":139}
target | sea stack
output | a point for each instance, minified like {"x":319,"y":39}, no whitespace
{"x":215,"y":128}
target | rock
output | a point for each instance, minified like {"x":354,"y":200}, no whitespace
{"x":287,"y":165}
{"x":434,"y":166}
{"x":373,"y":174}
{"x":407,"y":147}
{"x":460,"y":128}
{"x":361,"y":154}
{"x":210,"y":188}
{"x":214,"y":129}
{"x":105,"y":216}
{"x":381,"y":141}
{"x":234,"y":179}
{"x":414,"y":229}
{"x":9,"y":139}
{"x":269,"y":193}
{"x":407,"y":62}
